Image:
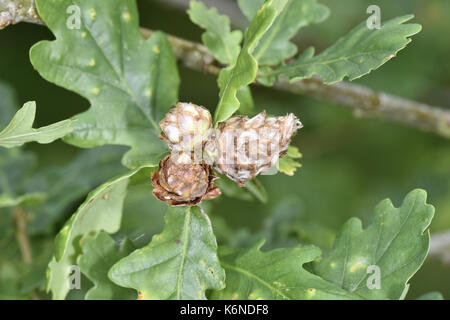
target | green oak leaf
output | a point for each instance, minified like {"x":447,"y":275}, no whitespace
{"x":276,"y":274}
{"x":180,"y":263}
{"x":99,"y":255}
{"x":354,"y":55}
{"x":50,"y":192}
{"x":15,"y":164}
{"x":20,"y":131}
{"x":218,"y":38}
{"x":130,"y":82}
{"x":287,"y":164}
{"x":250,"y":7}
{"x":275,"y":46}
{"x":102,"y":210}
{"x":246,"y":102}
{"x":396,"y":242}
{"x":243,"y":72}
{"x":223,"y":43}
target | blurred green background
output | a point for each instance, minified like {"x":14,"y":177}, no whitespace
{"x":349,"y":164}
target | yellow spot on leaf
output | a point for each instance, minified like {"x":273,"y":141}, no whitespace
{"x":156,"y":49}
{"x":311,"y":291}
{"x":95,"y":90}
{"x":92,"y":62}
{"x":126,"y":16}
{"x":93,"y":14}
{"x":356,"y":266}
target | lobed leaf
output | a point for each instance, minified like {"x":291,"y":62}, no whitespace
{"x":15,"y":164}
{"x":246,"y":103}
{"x":287,"y":164}
{"x":354,"y":55}
{"x":20,"y":131}
{"x":179,"y":263}
{"x":99,"y":255}
{"x":130,"y":82}
{"x":218,"y":38}
{"x":222,"y":42}
{"x":275,"y":47}
{"x":243,"y":71}
{"x":102,"y":210}
{"x":396,"y":242}
{"x":276,"y":274}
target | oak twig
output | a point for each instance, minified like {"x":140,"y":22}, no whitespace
{"x":364,"y":101}
{"x":20,"y":219}
{"x":12,"y":12}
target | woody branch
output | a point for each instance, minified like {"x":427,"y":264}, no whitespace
{"x":364,"y":101}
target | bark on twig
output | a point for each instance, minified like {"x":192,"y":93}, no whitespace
{"x":20,"y":219}
{"x":12,"y":12}
{"x":364,"y":101}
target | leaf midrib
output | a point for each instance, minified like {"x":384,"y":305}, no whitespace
{"x":271,"y":35}
{"x":253,"y":276}
{"x":183,"y":253}
{"x":358,"y":285}
{"x":44,"y":130}
{"x":294,"y":66}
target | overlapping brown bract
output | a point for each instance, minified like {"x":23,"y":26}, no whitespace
{"x":245,"y":147}
{"x":185,"y":126}
{"x":182,"y":184}
{"x":241,"y":148}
